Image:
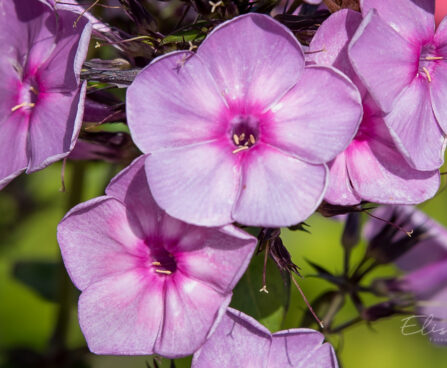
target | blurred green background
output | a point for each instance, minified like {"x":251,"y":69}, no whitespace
{"x":31,"y":207}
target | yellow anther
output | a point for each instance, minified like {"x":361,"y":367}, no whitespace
{"x":434,"y":58}
{"x":427,"y":73}
{"x":156,"y":264}
{"x":252,"y":139}
{"x":239,"y":149}
{"x":35,"y":91}
{"x":165,"y":272}
{"x":236,"y":139}
{"x":23,"y":104}
{"x":191,"y":46}
{"x":215,"y":5}
{"x":242,"y":137}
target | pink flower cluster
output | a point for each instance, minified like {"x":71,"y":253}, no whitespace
{"x":248,"y":129}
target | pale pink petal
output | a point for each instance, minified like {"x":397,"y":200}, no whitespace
{"x":122,"y":315}
{"x":413,"y":19}
{"x":191,"y":308}
{"x":54,"y":127}
{"x":379,"y":173}
{"x":13,"y":140}
{"x":313,"y":134}
{"x":415,"y":128}
{"x":173,"y":102}
{"x":62,"y":69}
{"x":238,"y":341}
{"x":278,"y":190}
{"x":130,"y":187}
{"x":97,"y":240}
{"x":218,"y":258}
{"x":197,"y":184}
{"x":300,"y":348}
{"x":340,"y":190}
{"x":385,"y":61}
{"x":261,"y":66}
{"x":329,"y":46}
{"x":438,"y":93}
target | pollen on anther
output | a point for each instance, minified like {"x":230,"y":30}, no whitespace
{"x":242,"y":137}
{"x":165,"y":272}
{"x":429,"y":58}
{"x":252,"y":139}
{"x":23,"y":104}
{"x":239,"y":149}
{"x":236,"y":139}
{"x":156,"y":264}
{"x":427,"y":73}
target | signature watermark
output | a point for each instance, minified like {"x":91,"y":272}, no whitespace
{"x":423,"y":324}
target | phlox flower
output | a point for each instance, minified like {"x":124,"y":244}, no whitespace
{"x":41,"y":101}
{"x":424,"y":264}
{"x":150,"y":283}
{"x":240,"y":341}
{"x":372,"y":167}
{"x":403,"y":63}
{"x":241,"y":130}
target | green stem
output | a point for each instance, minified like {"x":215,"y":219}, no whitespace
{"x":58,"y":340}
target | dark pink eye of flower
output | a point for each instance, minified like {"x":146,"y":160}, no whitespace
{"x":162,"y":261}
{"x":428,"y":62}
{"x":27,"y":96}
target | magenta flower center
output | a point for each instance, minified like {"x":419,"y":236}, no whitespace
{"x":163,"y":262}
{"x":27,"y":96}
{"x":245,"y":131}
{"x":428,"y":61}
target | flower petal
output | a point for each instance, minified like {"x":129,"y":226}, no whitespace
{"x":435,"y":313}
{"x":413,"y":19}
{"x":173,"y":102}
{"x":379,"y":173}
{"x":318,"y":118}
{"x":97,"y":240}
{"x":278,"y":190}
{"x":62,"y":69}
{"x":122,"y":315}
{"x":329,"y":46}
{"x":385,"y":61}
{"x":216,"y":257}
{"x":130,"y":187}
{"x":340,"y":190}
{"x":438,"y":93}
{"x":191,"y":308}
{"x":197,"y":184}
{"x":54,"y":127}
{"x":13,"y":141}
{"x":238,"y":341}
{"x":261,"y":66}
{"x":415,"y":129}
{"x":297,"y":348}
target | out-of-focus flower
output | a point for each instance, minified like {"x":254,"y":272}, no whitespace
{"x":240,"y":341}
{"x":241,"y":131}
{"x":150,"y":283}
{"x":41,"y":101}
{"x":371,"y":168}
{"x":424,"y":261}
{"x":403,"y":63}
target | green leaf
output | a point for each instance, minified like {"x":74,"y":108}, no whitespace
{"x":269,"y":309}
{"x":40,"y":276}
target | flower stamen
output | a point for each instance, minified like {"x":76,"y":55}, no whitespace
{"x":241,"y":148}
{"x":23,"y":104}
{"x":156,"y":264}
{"x":165,"y":272}
{"x":430,"y":58}
{"x":236,"y":139}
{"x":427,"y":73}
{"x":252,"y":139}
{"x":214,"y":6}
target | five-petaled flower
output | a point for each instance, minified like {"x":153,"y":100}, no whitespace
{"x":241,"y":130}
{"x":150,"y":283}
{"x":239,"y":341}
{"x":403,"y":63}
{"x":41,"y":101}
{"x":372,"y":167}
